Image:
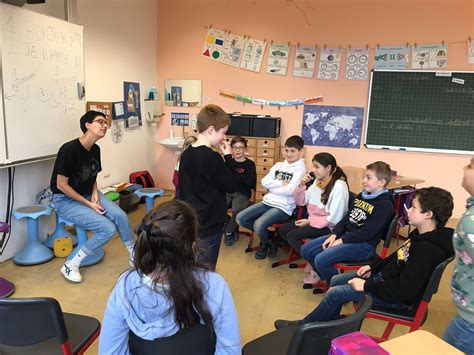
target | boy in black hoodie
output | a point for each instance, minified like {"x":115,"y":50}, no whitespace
{"x":356,"y":236}
{"x":399,"y":280}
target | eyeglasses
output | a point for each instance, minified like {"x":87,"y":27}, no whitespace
{"x":238,"y":148}
{"x":100,"y":122}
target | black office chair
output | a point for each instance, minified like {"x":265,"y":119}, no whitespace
{"x":197,"y":340}
{"x":38,"y":326}
{"x":308,"y":339}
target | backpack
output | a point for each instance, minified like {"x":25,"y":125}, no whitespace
{"x":142,"y":178}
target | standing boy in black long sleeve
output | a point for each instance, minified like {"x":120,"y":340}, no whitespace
{"x":204,"y":180}
{"x":245,"y":175}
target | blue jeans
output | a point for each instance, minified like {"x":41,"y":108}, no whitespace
{"x":322,"y":260}
{"x":259,"y":217}
{"x":208,"y":248}
{"x":340,"y":293}
{"x":103,"y":226}
{"x":460,"y":334}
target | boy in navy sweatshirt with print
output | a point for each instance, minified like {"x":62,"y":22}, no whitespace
{"x":356,"y":236}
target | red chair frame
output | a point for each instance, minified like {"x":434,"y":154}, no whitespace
{"x":413,"y":318}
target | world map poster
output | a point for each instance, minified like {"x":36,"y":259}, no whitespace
{"x":332,"y":126}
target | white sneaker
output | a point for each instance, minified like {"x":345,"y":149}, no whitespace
{"x":71,"y":272}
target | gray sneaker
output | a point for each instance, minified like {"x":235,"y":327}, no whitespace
{"x":282,"y":323}
{"x":228,"y":239}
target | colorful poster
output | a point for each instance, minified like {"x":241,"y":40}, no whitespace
{"x":470,"y":52}
{"x":357,"y":66}
{"x":213,"y":44}
{"x":329,"y":63}
{"x":429,"y":56}
{"x":332,"y":126}
{"x":305,"y":59}
{"x":278,"y":59}
{"x":391,"y":57}
{"x":232,"y":49}
{"x":131,"y":98}
{"x":252,"y":58}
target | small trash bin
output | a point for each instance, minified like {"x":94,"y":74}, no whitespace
{"x":128,"y":201}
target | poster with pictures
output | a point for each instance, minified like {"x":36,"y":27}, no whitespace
{"x":357,"y":66}
{"x":391,"y":57}
{"x":430,"y":56}
{"x":232,"y":49}
{"x":329,"y":63}
{"x":252,"y":57}
{"x":305,"y":59}
{"x":470,"y":52}
{"x":131,"y":98}
{"x":213,"y":44}
{"x":278,"y":56}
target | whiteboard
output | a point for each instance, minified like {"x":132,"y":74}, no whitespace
{"x":41,"y":63}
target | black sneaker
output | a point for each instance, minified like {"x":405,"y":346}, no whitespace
{"x":228,"y":239}
{"x":282,"y":323}
{"x":261,"y":251}
{"x":236,"y":236}
{"x":273,"y":249}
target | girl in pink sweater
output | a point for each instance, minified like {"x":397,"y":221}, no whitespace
{"x":326,"y":199}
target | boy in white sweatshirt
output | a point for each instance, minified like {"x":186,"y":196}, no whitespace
{"x":278,"y":204}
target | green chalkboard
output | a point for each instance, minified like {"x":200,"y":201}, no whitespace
{"x":421,"y":111}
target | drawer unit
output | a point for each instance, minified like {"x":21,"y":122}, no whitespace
{"x":265,"y":161}
{"x":265,"y":143}
{"x":265,"y":152}
{"x":250,"y":152}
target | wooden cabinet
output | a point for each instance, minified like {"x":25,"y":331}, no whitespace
{"x":265,"y":152}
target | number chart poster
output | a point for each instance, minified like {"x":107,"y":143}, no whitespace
{"x":131,"y":98}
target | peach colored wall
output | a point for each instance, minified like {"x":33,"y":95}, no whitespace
{"x":181,"y":34}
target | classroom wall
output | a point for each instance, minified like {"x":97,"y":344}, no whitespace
{"x":119,"y":44}
{"x":334,"y":23}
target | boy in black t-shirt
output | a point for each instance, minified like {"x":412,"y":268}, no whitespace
{"x":246,"y":178}
{"x":204,"y":179}
{"x":77,"y":199}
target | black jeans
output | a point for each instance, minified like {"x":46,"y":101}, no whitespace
{"x":293,"y":234}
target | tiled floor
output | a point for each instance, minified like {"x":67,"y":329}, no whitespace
{"x":261,"y":294}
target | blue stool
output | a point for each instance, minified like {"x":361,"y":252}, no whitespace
{"x":59,"y":232}
{"x":34,"y":252}
{"x":82,"y":239}
{"x":149,"y":193}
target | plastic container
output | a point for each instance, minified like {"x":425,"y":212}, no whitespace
{"x":113,"y":196}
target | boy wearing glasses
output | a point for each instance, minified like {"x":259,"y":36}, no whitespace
{"x":246,"y":178}
{"x":77,"y":199}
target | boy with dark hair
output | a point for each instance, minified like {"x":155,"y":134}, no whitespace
{"x":77,"y":199}
{"x":204,"y":179}
{"x":246,"y":177}
{"x":399,"y":280}
{"x":356,"y":236}
{"x":278,"y":204}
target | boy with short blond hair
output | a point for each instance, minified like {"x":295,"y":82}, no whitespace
{"x":356,"y":236}
{"x":278,"y":204}
{"x":204,"y":179}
